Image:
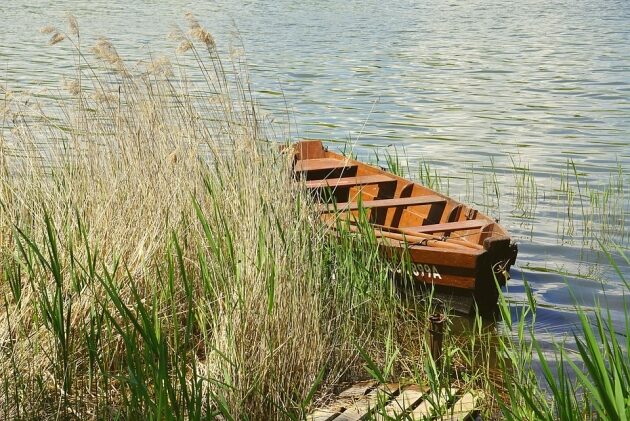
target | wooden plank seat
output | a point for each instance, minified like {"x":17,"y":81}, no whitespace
{"x":384,"y":203}
{"x":449,"y":226}
{"x":350,"y":181}
{"x":323,"y":164}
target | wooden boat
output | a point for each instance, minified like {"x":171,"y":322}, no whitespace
{"x":449,"y":244}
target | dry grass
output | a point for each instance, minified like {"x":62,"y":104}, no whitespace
{"x":119,"y":174}
{"x":157,"y":259}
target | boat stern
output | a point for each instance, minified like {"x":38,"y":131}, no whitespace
{"x":494,"y":269}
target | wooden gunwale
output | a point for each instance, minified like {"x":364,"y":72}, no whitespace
{"x":463,"y":258}
{"x":412,"y":240}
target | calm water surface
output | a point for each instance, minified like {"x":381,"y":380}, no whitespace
{"x":495,"y":99}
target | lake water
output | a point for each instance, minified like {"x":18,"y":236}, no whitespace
{"x":522,"y":109}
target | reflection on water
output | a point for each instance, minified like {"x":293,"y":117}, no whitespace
{"x":523,"y":110}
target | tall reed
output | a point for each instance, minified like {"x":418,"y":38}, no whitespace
{"x":592,"y":382}
{"x":158,"y":259}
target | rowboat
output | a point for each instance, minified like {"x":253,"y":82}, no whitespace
{"x":448,"y":244}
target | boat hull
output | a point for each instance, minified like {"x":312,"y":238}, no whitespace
{"x":479,"y":273}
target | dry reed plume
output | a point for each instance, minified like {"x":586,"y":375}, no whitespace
{"x":157,"y":258}
{"x":116,"y":179}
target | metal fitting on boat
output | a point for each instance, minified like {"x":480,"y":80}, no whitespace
{"x":436,"y":332}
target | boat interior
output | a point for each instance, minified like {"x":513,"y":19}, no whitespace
{"x":397,"y":208}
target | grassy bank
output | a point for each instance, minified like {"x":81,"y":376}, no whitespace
{"x":158,"y":261}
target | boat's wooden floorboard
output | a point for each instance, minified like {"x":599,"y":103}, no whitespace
{"x":368,"y":400}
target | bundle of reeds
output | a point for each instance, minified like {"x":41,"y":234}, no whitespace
{"x":157,"y":259}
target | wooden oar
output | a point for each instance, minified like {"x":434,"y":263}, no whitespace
{"x":415,"y":237}
{"x":408,"y":233}
{"x":412,"y":239}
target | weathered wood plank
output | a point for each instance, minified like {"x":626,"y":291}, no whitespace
{"x":343,"y":401}
{"x":364,"y":406}
{"x":409,"y":397}
{"x":326,"y":414}
{"x":335,"y":408}
{"x":433,"y":405}
{"x":384,"y":402}
{"x":358,"y":389}
{"x":463,"y":407}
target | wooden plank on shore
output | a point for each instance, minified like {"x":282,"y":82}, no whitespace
{"x":406,"y":400}
{"x":361,"y":408}
{"x":433,"y":405}
{"x":358,"y":389}
{"x":335,"y":408}
{"x":326,"y":414}
{"x":463,"y":407}
{"x":345,"y":399}
{"x":384,"y":402}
